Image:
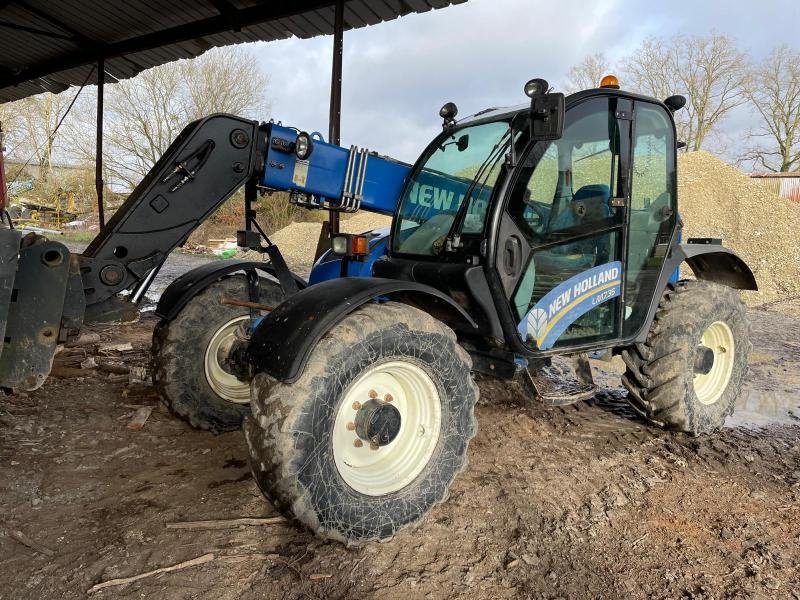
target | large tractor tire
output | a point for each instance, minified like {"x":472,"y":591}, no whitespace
{"x":689,"y":373}
{"x":187,"y":356}
{"x":374,"y":431}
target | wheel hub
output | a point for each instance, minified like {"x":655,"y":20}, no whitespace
{"x":219,"y":374}
{"x":378,"y":422}
{"x":703,"y":360}
{"x":387,"y":427}
{"x":714,"y":361}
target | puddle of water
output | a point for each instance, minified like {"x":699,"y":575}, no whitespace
{"x":758,"y":408}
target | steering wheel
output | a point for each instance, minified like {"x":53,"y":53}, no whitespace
{"x":541,"y":214}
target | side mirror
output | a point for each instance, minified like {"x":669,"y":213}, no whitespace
{"x":675,"y":103}
{"x":547,"y":116}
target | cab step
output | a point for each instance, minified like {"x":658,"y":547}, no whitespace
{"x":563,"y":382}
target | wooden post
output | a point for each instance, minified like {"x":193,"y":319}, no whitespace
{"x":98,"y":160}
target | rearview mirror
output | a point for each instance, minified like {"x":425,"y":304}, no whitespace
{"x":463,"y":142}
{"x":547,"y":116}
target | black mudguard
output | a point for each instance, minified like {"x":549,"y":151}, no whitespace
{"x":282,"y":342}
{"x":714,"y":262}
{"x":191,"y":283}
{"x":709,"y":262}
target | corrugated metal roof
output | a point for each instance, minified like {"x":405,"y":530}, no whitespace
{"x":771,"y":174}
{"x":49,"y":46}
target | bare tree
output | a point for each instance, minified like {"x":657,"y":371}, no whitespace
{"x":33,"y":127}
{"x":775,"y":94}
{"x":10,"y":119}
{"x":145,"y":114}
{"x":709,"y":70}
{"x":587,"y":73}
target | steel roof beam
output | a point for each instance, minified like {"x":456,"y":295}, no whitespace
{"x":35,"y":31}
{"x":249,"y":16}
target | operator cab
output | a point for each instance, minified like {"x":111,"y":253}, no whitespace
{"x":552,"y":236}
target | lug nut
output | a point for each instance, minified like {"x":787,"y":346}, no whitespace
{"x":373,"y":394}
{"x":358,"y":443}
{"x":351,"y":426}
{"x":356,"y":405}
{"x":373,"y":446}
{"x":388,"y":398}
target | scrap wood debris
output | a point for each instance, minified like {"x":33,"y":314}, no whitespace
{"x":200,"y":560}
{"x":33,"y":545}
{"x":226,"y":523}
{"x":140,"y":418}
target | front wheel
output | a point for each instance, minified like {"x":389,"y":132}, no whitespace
{"x":374,"y":431}
{"x":189,"y":355}
{"x":689,"y":373}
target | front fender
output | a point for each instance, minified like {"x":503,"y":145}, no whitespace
{"x":191,"y":283}
{"x":283,"y":340}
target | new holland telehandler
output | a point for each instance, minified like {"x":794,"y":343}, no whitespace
{"x":520,"y":234}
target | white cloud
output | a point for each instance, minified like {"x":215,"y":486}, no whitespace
{"x":479,"y":54}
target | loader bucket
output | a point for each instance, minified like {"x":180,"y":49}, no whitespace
{"x":34,"y":274}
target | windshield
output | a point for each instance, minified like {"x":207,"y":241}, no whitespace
{"x":437,"y":190}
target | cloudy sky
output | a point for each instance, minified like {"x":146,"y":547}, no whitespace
{"x":479,"y":54}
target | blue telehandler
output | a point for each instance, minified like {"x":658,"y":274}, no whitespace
{"x":521,"y":234}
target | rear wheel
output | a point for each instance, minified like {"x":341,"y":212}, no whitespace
{"x":689,"y":373}
{"x":189,"y":356}
{"x":374,"y":431}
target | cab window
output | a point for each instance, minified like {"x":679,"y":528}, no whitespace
{"x":653,"y":210}
{"x":437,"y":190}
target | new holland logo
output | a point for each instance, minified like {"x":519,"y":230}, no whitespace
{"x":563,"y":305}
{"x":537,"y":322}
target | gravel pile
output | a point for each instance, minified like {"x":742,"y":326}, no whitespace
{"x":717,"y":200}
{"x":298,"y":241}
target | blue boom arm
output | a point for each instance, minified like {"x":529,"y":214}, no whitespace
{"x":332,"y":176}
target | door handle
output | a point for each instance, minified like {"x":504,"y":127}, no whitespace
{"x":512,"y":256}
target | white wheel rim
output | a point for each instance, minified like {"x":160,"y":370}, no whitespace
{"x":709,"y":387}
{"x":377,"y":471}
{"x":225,"y":385}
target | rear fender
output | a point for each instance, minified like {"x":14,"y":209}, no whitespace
{"x":714,"y":262}
{"x":709,"y":262}
{"x":283,"y":340}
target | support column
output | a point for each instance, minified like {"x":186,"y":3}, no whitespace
{"x":3,"y":198}
{"x":335,"y":117}
{"x":98,"y":160}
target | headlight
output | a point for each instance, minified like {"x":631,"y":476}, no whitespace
{"x":340,"y":244}
{"x":352,"y":246}
{"x":303,"y":146}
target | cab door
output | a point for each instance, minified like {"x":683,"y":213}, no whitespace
{"x":562,"y":236}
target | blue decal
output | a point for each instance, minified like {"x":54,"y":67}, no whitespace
{"x":564,"y":304}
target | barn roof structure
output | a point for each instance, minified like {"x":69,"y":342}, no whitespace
{"x":49,"y":46}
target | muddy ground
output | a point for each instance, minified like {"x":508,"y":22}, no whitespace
{"x":581,"y":502}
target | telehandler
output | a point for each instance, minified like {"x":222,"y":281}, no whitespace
{"x":520,"y":234}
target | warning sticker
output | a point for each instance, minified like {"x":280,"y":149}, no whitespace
{"x":300,"y":175}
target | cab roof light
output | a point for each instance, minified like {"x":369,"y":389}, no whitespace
{"x":610,"y":81}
